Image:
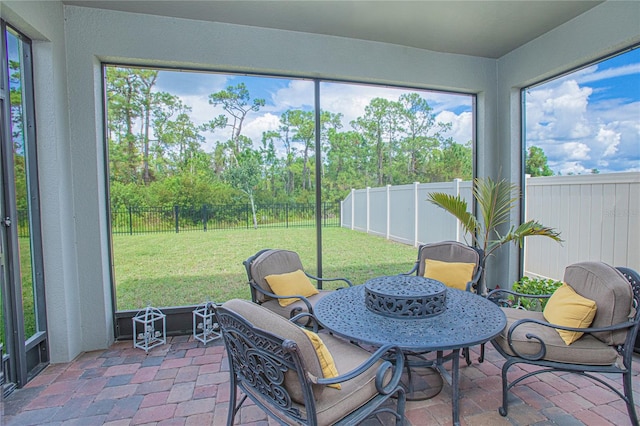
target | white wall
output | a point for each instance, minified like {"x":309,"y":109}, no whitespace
{"x":43,"y":22}
{"x":69,"y":108}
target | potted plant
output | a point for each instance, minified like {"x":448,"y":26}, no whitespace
{"x":495,"y":200}
{"x":533,"y":286}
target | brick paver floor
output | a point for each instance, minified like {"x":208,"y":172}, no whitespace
{"x":187,"y":383}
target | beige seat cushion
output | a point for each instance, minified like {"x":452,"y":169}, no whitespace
{"x":586,"y":350}
{"x":334,"y":404}
{"x":273,"y":262}
{"x":611,"y":291}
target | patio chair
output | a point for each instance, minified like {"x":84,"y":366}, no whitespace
{"x":456,"y":265}
{"x":300,"y":377}
{"x":588,"y":326}
{"x":279,"y":283}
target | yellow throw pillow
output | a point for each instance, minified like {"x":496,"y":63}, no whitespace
{"x":329,"y":369}
{"x":566,"y":307}
{"x":295,"y":282}
{"x":451,"y":274}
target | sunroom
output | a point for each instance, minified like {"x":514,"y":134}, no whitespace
{"x":490,"y":51}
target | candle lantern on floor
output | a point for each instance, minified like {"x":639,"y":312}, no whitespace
{"x":205,"y":326}
{"x":149,"y":329}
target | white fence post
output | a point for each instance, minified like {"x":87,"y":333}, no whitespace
{"x":353,"y":208}
{"x":388,"y":211}
{"x":368,"y":208}
{"x":415,"y":213}
{"x":456,"y":188}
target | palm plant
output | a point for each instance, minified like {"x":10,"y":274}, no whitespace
{"x":495,"y":201}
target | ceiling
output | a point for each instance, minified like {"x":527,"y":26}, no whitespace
{"x":479,"y":27}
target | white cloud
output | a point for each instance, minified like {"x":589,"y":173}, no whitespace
{"x":297,"y":95}
{"x":573,"y":168}
{"x":591,"y":74}
{"x":568,"y":127}
{"x":254,"y":128}
{"x":576,"y":151}
{"x":461,"y":125}
{"x":609,"y":140}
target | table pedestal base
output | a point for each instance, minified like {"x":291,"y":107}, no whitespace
{"x":421,"y":383}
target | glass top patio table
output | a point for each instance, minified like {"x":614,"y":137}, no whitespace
{"x":467,"y":320}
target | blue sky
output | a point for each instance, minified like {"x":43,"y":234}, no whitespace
{"x":588,"y":119}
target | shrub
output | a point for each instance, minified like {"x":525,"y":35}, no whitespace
{"x":528,"y":285}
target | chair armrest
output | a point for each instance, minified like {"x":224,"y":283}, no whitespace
{"x":543,"y":350}
{"x":313,"y":277}
{"x":275,"y":296}
{"x":413,"y":270}
{"x":501,"y":297}
{"x":385,"y":389}
{"x":310,"y":322}
{"x":475,"y":281}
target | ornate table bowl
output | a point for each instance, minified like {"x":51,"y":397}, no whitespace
{"x":405,"y":296}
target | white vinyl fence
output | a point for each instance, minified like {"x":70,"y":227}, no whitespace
{"x":598,"y":217}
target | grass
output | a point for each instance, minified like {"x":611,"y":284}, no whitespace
{"x":190,"y":268}
{"x":28,"y":304}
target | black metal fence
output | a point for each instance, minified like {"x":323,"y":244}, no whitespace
{"x":138,"y":220}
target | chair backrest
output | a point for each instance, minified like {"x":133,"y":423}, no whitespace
{"x":268,"y":357}
{"x":449,"y":251}
{"x":268,"y":262}
{"x":633,"y":339}
{"x":611,"y":291}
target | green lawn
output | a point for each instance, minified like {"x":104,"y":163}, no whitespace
{"x":168,"y":269}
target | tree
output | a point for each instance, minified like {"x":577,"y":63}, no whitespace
{"x":148,"y":79}
{"x":303,"y":123}
{"x":419,"y":130}
{"x":236,"y":102}
{"x":452,"y":160}
{"x":495,"y":200}
{"x":536,"y":163}
{"x":123,"y":108}
{"x":245,"y":176}
{"x":379,"y":127}
{"x":347,"y":167}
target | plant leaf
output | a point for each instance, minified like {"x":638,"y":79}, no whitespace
{"x":458,"y":208}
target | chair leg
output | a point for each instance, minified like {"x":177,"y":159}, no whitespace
{"x":481,"y":359}
{"x":505,"y":397}
{"x":232,"y":403}
{"x":467,"y":355}
{"x":628,"y":393}
{"x":401,"y":399}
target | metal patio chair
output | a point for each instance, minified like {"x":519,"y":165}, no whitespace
{"x":457,"y":255}
{"x":278,"y":365}
{"x":270,"y":264}
{"x":606,"y":345}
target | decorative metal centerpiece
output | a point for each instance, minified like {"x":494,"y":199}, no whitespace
{"x":149,"y":329}
{"x":205,"y":326}
{"x":405,"y":296}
